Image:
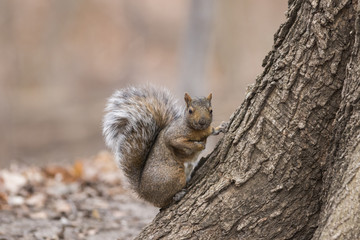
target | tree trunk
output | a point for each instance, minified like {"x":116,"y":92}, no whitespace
{"x":288,"y":168}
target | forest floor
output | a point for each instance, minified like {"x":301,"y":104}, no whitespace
{"x":86,"y":200}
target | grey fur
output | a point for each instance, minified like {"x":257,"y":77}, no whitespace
{"x":130,"y":127}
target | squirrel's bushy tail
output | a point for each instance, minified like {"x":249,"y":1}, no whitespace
{"x":134,"y":118}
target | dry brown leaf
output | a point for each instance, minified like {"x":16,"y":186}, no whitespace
{"x":54,"y":171}
{"x":78,"y":169}
{"x":3,"y":197}
{"x":95,"y":214}
{"x":59,"y":173}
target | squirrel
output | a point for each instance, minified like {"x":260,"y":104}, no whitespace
{"x":152,"y":137}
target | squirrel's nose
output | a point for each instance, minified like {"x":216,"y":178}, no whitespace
{"x":202,"y":121}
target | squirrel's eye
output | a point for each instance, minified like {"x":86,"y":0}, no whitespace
{"x":210,"y":111}
{"x":190,"y":111}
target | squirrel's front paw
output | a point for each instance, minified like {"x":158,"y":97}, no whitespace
{"x":221,"y":128}
{"x":200,"y":144}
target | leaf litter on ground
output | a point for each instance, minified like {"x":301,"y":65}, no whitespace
{"x":85,"y":200}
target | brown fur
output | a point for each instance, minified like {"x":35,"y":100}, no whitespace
{"x":152,"y":138}
{"x":164,"y":172}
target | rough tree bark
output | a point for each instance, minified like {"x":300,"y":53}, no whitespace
{"x":289,"y":166}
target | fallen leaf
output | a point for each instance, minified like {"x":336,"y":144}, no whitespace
{"x":119,"y":214}
{"x":100,"y":203}
{"x":92,"y":231}
{"x":36,"y":200}
{"x":3,"y":199}
{"x":34,"y":175}
{"x":95,"y":214}
{"x":59,"y":173}
{"x":38,"y":215}
{"x":61,"y":206}
{"x":61,"y":189}
{"x":16,"y":200}
{"x":78,"y":169}
{"x":13,"y":181}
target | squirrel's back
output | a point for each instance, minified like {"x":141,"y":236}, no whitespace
{"x":134,"y":118}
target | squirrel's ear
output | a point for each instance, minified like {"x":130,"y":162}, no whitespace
{"x":187,"y":99}
{"x":209,"y":97}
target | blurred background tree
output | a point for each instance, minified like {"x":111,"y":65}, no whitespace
{"x":60,"y":60}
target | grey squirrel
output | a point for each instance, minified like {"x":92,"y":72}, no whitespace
{"x":152,"y":137}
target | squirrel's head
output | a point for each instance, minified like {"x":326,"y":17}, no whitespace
{"x":198,"y":112}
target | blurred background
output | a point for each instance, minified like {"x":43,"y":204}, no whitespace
{"x":61,"y":60}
